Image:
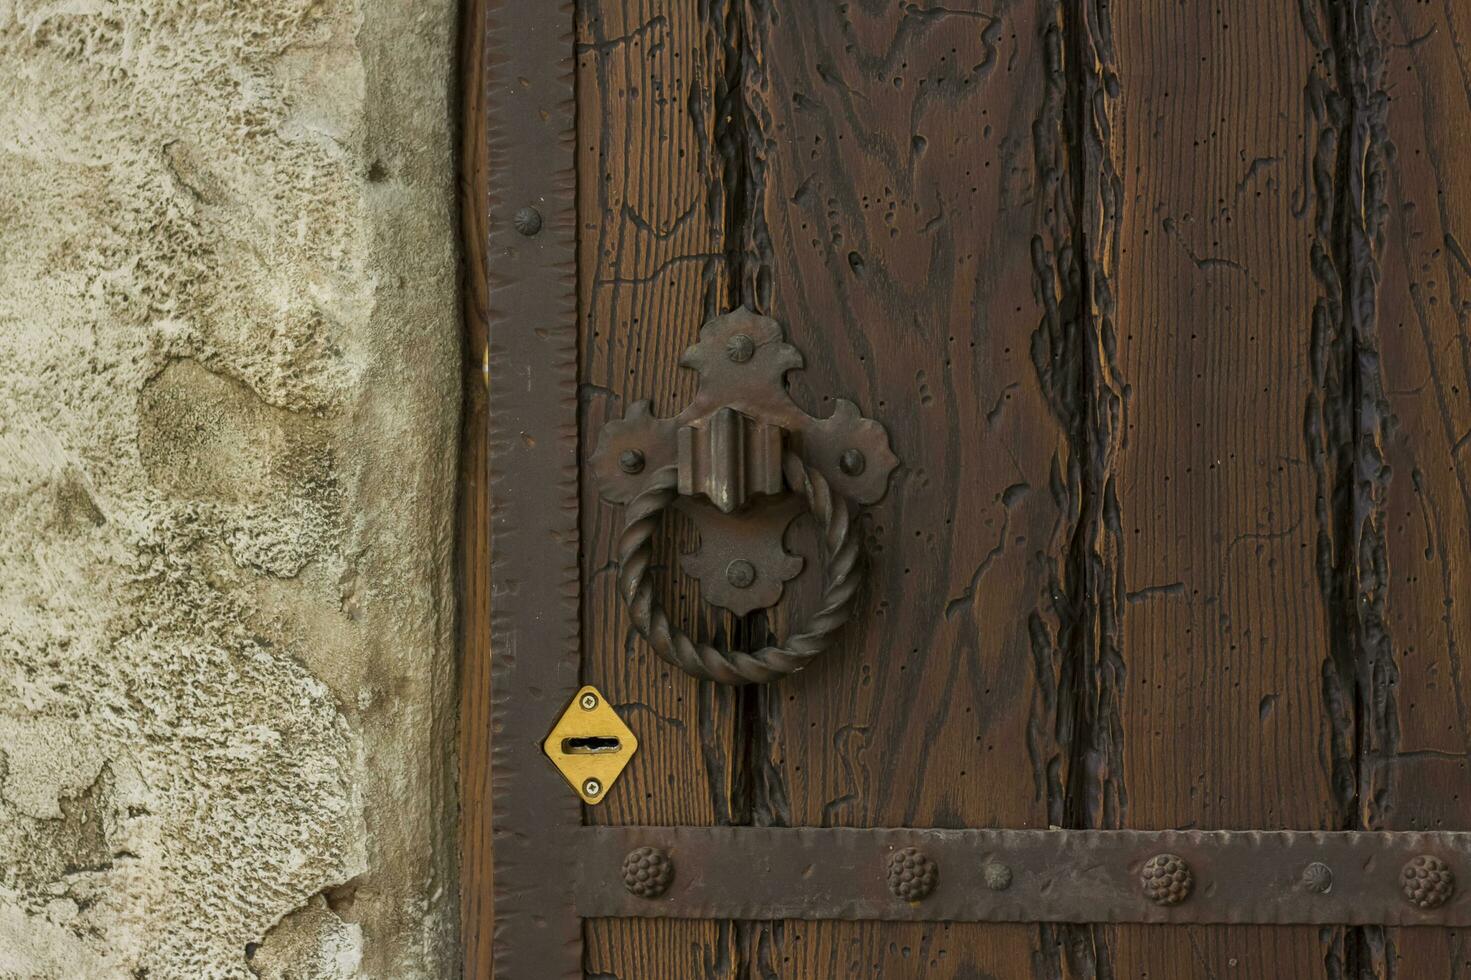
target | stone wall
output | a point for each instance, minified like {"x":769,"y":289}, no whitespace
{"x":228,"y":397}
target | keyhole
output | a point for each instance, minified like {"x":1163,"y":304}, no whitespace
{"x":588,"y":744}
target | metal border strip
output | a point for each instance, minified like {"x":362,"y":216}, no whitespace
{"x":535,"y":630}
{"x":1080,"y":876}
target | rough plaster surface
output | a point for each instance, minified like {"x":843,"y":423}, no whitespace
{"x":228,"y":396}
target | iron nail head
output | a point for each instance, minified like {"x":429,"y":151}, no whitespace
{"x":740,"y":573}
{"x":631,"y":461}
{"x":740,"y":348}
{"x":527,"y":221}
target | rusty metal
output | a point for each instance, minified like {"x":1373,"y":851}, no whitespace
{"x":532,"y":365}
{"x":1167,"y":879}
{"x":590,"y":745}
{"x":911,"y":875}
{"x":809,"y":638}
{"x":1268,"y":877}
{"x":647,"y":872}
{"x":1427,"y":881}
{"x":728,"y":462}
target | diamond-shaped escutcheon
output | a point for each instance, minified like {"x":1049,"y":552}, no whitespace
{"x":590,"y":745}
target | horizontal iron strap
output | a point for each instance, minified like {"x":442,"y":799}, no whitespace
{"x":1272,"y":877}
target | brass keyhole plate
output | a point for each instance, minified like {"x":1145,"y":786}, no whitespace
{"x":590,"y":745}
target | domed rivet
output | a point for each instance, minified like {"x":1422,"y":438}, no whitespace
{"x":997,"y":876}
{"x":631,"y":461}
{"x":1427,"y":881}
{"x":527,"y":221}
{"x":1318,"y":877}
{"x":740,"y":573}
{"x":740,"y":348}
{"x":1166,"y":879}
{"x":647,"y":872}
{"x":852,"y":462}
{"x":911,"y":874}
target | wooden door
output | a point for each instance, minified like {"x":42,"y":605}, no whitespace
{"x":1163,"y":307}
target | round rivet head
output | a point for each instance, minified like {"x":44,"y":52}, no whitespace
{"x":740,"y":348}
{"x":852,"y":462}
{"x":911,"y":874}
{"x":1318,"y":877}
{"x":631,"y":461}
{"x":1427,"y":881}
{"x":997,"y":876}
{"x":1166,"y":879}
{"x":647,"y":872}
{"x":740,"y":573}
{"x":527,"y":221}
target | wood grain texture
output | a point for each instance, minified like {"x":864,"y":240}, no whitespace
{"x":1415,"y":578}
{"x":1220,"y":513}
{"x":1164,"y":306}
{"x":477,"y":912}
{"x":653,"y":85}
{"x":910,"y":227}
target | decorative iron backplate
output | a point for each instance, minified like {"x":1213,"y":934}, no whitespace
{"x":1267,"y":877}
{"x":727,"y":445}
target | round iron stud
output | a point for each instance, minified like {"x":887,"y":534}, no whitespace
{"x":740,"y":348}
{"x":740,"y":573}
{"x":852,"y":462}
{"x":912,"y":875}
{"x":1318,"y":877}
{"x":647,"y":872}
{"x":1166,"y":879}
{"x":997,"y":876}
{"x":631,"y":461}
{"x":1427,"y":881}
{"x":527,"y":221}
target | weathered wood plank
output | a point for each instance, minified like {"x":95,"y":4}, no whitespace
{"x":909,"y":225}
{"x":1415,"y":577}
{"x":477,"y":912}
{"x":652,"y":209}
{"x":1218,"y":510}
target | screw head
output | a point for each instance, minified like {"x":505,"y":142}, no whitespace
{"x":647,"y":872}
{"x":1427,"y":881}
{"x":592,"y":787}
{"x":740,"y":573}
{"x":852,"y":462}
{"x":589,"y":701}
{"x":1318,"y":877}
{"x":911,"y":874}
{"x":527,"y":221}
{"x":631,"y":461}
{"x":1166,"y":879}
{"x":998,"y":876}
{"x":740,"y":348}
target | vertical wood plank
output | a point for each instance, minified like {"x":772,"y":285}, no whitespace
{"x":1219,"y":510}
{"x":909,"y":225}
{"x":477,"y":912}
{"x":652,"y":212}
{"x":1415,"y":577}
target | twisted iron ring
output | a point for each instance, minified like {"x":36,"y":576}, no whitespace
{"x":841,"y":578}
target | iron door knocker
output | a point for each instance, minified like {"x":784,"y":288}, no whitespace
{"x":728,"y":461}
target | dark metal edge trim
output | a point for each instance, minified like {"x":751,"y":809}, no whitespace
{"x":1056,"y":875}
{"x":532,"y":314}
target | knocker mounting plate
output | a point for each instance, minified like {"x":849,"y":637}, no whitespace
{"x":727,"y":446}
